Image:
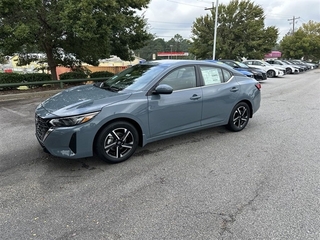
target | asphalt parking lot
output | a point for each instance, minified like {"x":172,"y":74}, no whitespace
{"x":261,"y":183}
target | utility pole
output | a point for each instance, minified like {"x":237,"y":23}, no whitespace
{"x":215,"y":29}
{"x":293,"y":22}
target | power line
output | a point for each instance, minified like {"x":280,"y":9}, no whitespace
{"x":184,"y":3}
{"x":170,"y":22}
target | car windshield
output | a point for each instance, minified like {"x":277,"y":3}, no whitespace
{"x":133,"y":78}
{"x":222,"y":63}
{"x":242,"y":65}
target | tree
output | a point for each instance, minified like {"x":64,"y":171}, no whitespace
{"x":177,"y":44}
{"x":304,"y":43}
{"x":152,"y":47}
{"x":2,"y":58}
{"x":240,"y":32}
{"x":74,"y":31}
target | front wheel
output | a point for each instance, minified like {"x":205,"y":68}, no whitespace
{"x":117,"y":142}
{"x":288,"y":71}
{"x":271,"y":74}
{"x":239,"y":117}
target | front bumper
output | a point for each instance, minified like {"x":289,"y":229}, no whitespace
{"x":280,"y":73}
{"x":66,"y":142}
{"x":260,"y":76}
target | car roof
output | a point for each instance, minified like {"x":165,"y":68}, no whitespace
{"x":178,"y":62}
{"x":222,"y":60}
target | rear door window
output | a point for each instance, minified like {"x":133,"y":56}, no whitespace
{"x":211,"y":75}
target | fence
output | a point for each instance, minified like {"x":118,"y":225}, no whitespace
{"x":61,"y":82}
{"x":112,"y":69}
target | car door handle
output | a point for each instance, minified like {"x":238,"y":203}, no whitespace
{"x":195,"y":97}
{"x":234,"y":89}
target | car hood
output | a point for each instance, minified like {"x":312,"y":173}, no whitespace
{"x":245,"y":72}
{"x":81,"y":99}
{"x":258,"y":70}
{"x":243,"y":69}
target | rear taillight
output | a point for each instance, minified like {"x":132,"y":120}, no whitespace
{"x":258,"y":85}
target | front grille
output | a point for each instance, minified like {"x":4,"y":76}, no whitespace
{"x":42,"y":127}
{"x":264,"y":75}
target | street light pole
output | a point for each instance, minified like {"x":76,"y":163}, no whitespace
{"x":215,"y":29}
{"x":215,"y":32}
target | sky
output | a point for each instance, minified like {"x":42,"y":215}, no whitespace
{"x":167,"y":18}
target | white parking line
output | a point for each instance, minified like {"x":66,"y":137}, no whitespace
{"x":15,"y":112}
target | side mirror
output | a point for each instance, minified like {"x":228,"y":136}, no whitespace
{"x":163,"y":89}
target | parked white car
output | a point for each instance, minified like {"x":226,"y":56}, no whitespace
{"x":289,"y":68}
{"x":272,"y":71}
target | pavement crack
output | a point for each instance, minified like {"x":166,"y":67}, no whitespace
{"x":229,"y":219}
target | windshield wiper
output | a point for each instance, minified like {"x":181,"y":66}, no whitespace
{"x":110,"y":88}
{"x":97,"y":84}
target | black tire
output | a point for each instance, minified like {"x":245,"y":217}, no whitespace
{"x":117,"y":142}
{"x":288,"y":70}
{"x":239,"y":117}
{"x":270,"y":74}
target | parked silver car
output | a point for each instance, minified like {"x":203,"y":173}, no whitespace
{"x":290,"y":69}
{"x":144,"y":103}
{"x":272,"y":71}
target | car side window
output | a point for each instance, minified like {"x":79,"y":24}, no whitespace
{"x":226,"y":75}
{"x":181,"y":78}
{"x":211,"y":75}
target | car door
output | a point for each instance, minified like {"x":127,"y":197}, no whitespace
{"x":255,"y":64}
{"x":220,"y":94}
{"x":180,"y":110}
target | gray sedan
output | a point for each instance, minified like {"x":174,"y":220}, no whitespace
{"x":144,"y":103}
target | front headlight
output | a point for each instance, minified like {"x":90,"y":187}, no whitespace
{"x":73,"y":120}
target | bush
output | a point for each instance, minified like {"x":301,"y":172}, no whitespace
{"x":101,"y":74}
{"x":21,"y":78}
{"x":36,"y":77}
{"x":10,"y":78}
{"x":73,"y":75}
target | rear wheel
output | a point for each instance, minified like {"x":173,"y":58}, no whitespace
{"x":239,"y":117}
{"x":117,"y":142}
{"x":271,"y":74}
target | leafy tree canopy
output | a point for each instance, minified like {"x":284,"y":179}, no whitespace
{"x":73,"y":31}
{"x":240,"y":33}
{"x":2,"y":58}
{"x":304,"y":43}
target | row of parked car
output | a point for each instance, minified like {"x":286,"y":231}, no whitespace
{"x":263,"y":69}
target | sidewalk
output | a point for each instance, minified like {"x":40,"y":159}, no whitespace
{"x":20,"y":96}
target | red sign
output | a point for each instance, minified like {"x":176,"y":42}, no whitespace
{"x":273,"y":54}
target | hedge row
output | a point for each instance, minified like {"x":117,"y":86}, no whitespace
{"x":21,"y":78}
{"x":38,"y":77}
